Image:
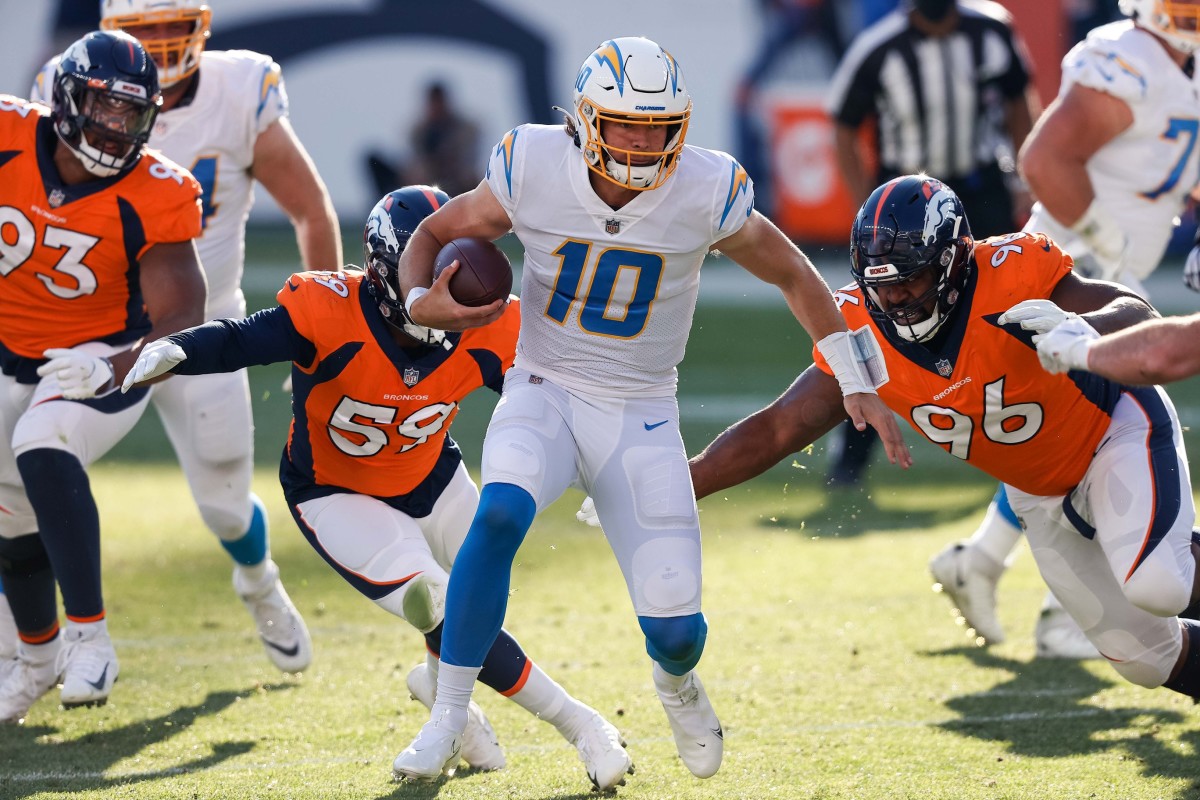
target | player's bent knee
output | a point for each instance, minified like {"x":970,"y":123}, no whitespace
{"x":422,"y":602}
{"x":505,"y":511}
{"x":1145,"y":659}
{"x":23,"y":555}
{"x":228,"y":524}
{"x":1157,"y":591}
{"x":667,"y":577}
{"x":675,"y":642}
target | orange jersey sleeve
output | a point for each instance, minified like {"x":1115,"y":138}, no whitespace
{"x":69,"y":253}
{"x":371,"y":416}
{"x":982,"y":394}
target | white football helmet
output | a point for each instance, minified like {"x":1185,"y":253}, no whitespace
{"x":1175,"y":21}
{"x":177,"y":57}
{"x":630,"y":80}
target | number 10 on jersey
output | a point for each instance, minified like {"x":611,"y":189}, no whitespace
{"x":602,"y":314}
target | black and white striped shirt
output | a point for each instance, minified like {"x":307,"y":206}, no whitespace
{"x":938,"y":102}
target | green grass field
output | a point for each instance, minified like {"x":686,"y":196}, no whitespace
{"x":837,"y":673}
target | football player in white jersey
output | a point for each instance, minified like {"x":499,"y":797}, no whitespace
{"x":224,"y":116}
{"x":616,"y":215}
{"x":1112,"y":162}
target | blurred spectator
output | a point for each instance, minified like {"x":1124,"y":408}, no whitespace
{"x":946,"y":87}
{"x":1083,"y":15}
{"x":445,"y":146}
{"x":787,"y":25}
{"x":444,"y":151}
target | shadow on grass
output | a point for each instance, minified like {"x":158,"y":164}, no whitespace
{"x":854,"y":511}
{"x":53,"y":764}
{"x":1044,"y":711}
{"x":408,"y":790}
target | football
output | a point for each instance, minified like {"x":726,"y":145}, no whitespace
{"x":484,"y":273}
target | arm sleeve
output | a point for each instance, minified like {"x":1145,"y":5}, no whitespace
{"x":227,"y":345}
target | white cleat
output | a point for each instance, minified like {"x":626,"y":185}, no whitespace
{"x":480,"y":747}
{"x":699,"y":737}
{"x":89,"y":667}
{"x":280,"y":626}
{"x":8,"y":630}
{"x":1057,"y":635}
{"x":24,"y":682}
{"x":603,"y":754}
{"x":971,"y":590}
{"x":435,"y":752}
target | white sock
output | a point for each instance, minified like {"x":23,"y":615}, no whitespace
{"x":40,"y":654}
{"x":665,"y":682}
{"x":454,"y":686}
{"x":255,"y":574}
{"x":548,"y":701}
{"x":86,"y":630}
{"x":994,"y":540}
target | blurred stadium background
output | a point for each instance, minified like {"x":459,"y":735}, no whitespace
{"x":356,"y":73}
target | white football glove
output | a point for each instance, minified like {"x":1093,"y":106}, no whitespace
{"x":1066,"y":347}
{"x":156,"y":358}
{"x":1191,"y":270}
{"x":1039,"y":316}
{"x":80,"y":375}
{"x":587,"y":513}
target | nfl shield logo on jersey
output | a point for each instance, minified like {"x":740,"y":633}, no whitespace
{"x":944,"y":367}
{"x":612,"y":226}
{"x":411,"y":376}
{"x":56,"y":198}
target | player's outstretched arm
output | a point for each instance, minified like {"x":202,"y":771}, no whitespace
{"x":284,"y":168}
{"x":174,"y":291}
{"x":1156,"y":351}
{"x":475,"y":213}
{"x":762,"y":249}
{"x":809,"y":409}
{"x":223,"y":345}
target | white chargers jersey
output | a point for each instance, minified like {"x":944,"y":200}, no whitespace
{"x":1142,"y":177}
{"x":607,"y":296}
{"x":239,"y":94}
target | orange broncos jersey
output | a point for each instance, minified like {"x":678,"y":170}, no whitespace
{"x":68,"y":254}
{"x":984,"y":396}
{"x":370,"y":416}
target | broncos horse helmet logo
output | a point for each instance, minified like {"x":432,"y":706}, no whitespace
{"x":939,"y":212}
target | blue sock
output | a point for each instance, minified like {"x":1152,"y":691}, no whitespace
{"x":251,"y":549}
{"x":675,"y":642}
{"x":1004,"y":508}
{"x":477,"y":595}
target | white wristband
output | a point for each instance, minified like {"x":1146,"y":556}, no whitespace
{"x":414,"y":294}
{"x":839,"y":352}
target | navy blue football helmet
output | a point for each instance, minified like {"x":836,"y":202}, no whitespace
{"x":909,"y":225}
{"x":388,"y":229}
{"x":104,"y":101}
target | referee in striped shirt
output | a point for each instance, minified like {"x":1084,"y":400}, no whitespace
{"x":947,"y":87}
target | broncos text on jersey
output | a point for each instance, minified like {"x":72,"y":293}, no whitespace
{"x":982,"y":395}
{"x":370,"y":416}
{"x":68,"y":254}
